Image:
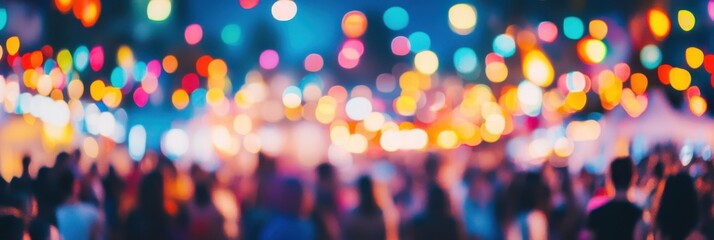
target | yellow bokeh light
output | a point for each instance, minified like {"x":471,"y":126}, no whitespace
{"x":563,"y":147}
{"x":576,"y":100}
{"x":325,"y":111}
{"x":447,"y":139}
{"x":405,"y":105}
{"x":217,"y":69}
{"x":340,"y":133}
{"x":12,"y":45}
{"x":686,"y":20}
{"x":695,"y":57}
{"x":537,"y":68}
{"x":426,"y":62}
{"x":496,"y":72}
{"x":592,"y":50}
{"x":598,"y":29}
{"x":462,"y":18}
{"x":488,"y":136}
{"x":112,"y":98}
{"x":214,"y":96}
{"x":679,"y":78}
{"x":659,"y":23}
{"x":125,"y":57}
{"x":698,"y":105}
{"x":495,"y":124}
{"x":97,"y":90}
{"x":180,"y":99}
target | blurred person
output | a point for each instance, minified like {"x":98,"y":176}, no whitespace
{"x":91,"y":189}
{"x":205,"y":222}
{"x":366,"y":221}
{"x":678,"y":212}
{"x":479,"y":210}
{"x":75,"y":219}
{"x":326,"y":212}
{"x":432,"y":169}
{"x":705,"y":189}
{"x":435,"y":222}
{"x":257,"y":210}
{"x":403,"y":198}
{"x":43,"y":190}
{"x":149,"y":220}
{"x":567,"y":216}
{"x":11,"y":216}
{"x":23,"y":184}
{"x":618,"y":218}
{"x":113,"y":187}
{"x":288,"y":223}
{"x":527,"y":208}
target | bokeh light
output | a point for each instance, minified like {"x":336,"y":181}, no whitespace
{"x":694,"y":57}
{"x":659,"y":23}
{"x":354,"y":24}
{"x":465,"y":60}
{"x":313,"y":62}
{"x":193,"y":34}
{"x":419,"y":41}
{"x":537,"y":68}
{"x":12,"y":45}
{"x":598,"y":29}
{"x":231,"y":34}
{"x":650,"y":56}
{"x":462,"y":18}
{"x":504,"y":45}
{"x":547,"y":31}
{"x":592,"y":51}
{"x":426,"y":62}
{"x":158,"y":10}
{"x":249,"y":4}
{"x":358,"y":108}
{"x":284,"y":10}
{"x":269,"y":59}
{"x":573,"y":28}
{"x":400,"y":46}
{"x":686,"y":20}
{"x":396,"y":18}
{"x":680,"y":78}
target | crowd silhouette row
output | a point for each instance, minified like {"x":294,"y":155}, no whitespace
{"x":656,"y":198}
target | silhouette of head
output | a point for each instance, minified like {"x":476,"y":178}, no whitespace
{"x":367,"y":202}
{"x":621,"y":173}
{"x":432,"y":166}
{"x":62,"y":160}
{"x":26,"y":162}
{"x":291,"y":197}
{"x":325,"y":172}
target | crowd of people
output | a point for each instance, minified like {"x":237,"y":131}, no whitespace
{"x":656,"y":198}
